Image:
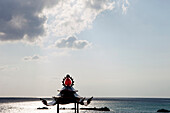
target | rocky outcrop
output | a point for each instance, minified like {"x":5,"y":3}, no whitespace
{"x":163,"y":110}
{"x":97,"y":109}
{"x":42,"y":108}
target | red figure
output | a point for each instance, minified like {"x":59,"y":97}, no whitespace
{"x":68,"y":82}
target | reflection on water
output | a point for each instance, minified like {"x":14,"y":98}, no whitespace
{"x":118,"y":105}
{"x":31,"y":107}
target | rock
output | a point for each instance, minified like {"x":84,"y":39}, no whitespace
{"x":43,"y":108}
{"x":97,"y":109}
{"x":163,"y":110}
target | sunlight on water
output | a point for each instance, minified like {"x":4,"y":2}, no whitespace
{"x":31,"y":107}
{"x":119,"y":105}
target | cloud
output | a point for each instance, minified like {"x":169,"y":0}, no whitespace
{"x":71,"y":42}
{"x":70,"y":17}
{"x":21,"y":19}
{"x":125,"y":5}
{"x":8,"y":68}
{"x":34,"y":58}
{"x":30,"y":20}
{"x":2,"y":68}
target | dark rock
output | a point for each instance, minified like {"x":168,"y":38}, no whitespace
{"x":97,"y":109}
{"x":163,"y":110}
{"x":43,"y":108}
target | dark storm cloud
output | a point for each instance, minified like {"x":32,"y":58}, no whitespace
{"x":20,"y":18}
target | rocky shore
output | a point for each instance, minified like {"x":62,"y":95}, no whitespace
{"x":95,"y":109}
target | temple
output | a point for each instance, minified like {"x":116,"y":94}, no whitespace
{"x":67,"y":95}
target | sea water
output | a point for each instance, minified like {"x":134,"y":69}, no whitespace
{"x":116,"y":105}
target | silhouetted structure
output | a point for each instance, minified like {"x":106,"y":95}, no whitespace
{"x":67,"y":95}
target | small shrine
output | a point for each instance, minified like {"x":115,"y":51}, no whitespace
{"x":67,"y":95}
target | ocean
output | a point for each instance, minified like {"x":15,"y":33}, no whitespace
{"x":116,"y":105}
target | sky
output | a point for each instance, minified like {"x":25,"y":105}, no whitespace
{"x":111,"y":48}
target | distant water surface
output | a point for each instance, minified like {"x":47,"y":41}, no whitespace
{"x":117,"y":105}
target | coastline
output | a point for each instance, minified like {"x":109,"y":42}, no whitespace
{"x":25,"y":99}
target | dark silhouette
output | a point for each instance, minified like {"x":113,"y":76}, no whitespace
{"x":67,"y":95}
{"x":43,"y":108}
{"x":95,"y":109}
{"x":163,"y":110}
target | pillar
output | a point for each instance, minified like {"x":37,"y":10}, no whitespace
{"x":58,"y":108}
{"x":75,"y":107}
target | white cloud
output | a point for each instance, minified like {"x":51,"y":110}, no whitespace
{"x":70,"y":17}
{"x":2,"y":33}
{"x":29,"y":21}
{"x":125,"y":6}
{"x":2,"y":68}
{"x":34,"y":58}
{"x":8,"y":68}
{"x":71,"y":42}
